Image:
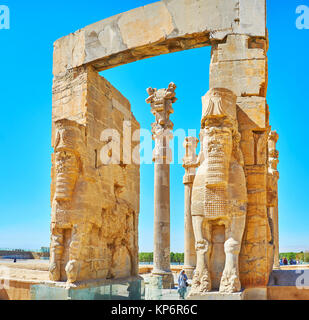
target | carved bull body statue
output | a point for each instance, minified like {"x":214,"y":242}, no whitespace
{"x":219,"y":194}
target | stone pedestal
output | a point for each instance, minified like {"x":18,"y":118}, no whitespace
{"x":161,"y":102}
{"x":132,"y":288}
{"x":246,"y":294}
{"x":215,"y":295}
{"x":165,"y":279}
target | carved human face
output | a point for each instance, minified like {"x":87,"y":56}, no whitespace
{"x":218,"y":145}
{"x":159,"y":98}
{"x":66,"y":174}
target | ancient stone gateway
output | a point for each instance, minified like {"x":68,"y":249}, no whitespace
{"x":95,"y":205}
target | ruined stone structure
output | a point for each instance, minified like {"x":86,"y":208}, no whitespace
{"x":92,"y":201}
{"x":161,"y":102}
{"x":190,"y":164}
{"x":95,"y":205}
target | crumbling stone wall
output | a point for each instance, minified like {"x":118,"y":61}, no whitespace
{"x":94,"y":226}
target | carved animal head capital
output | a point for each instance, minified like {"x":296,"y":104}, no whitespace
{"x":161,"y":102}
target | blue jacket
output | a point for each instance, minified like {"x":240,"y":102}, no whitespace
{"x":182,"y":279}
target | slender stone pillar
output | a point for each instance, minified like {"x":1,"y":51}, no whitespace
{"x":273,"y":177}
{"x":190,"y":164}
{"x":161,"y":102}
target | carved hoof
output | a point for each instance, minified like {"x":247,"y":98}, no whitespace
{"x":54,"y":272}
{"x":201,"y":282}
{"x":71,"y":270}
{"x":230,"y":282}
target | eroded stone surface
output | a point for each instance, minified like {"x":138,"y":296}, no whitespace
{"x":158,"y":28}
{"x":95,"y":204}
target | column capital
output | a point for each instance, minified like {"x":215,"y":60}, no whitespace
{"x":161,"y":102}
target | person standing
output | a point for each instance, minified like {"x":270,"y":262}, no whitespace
{"x":182,"y":284}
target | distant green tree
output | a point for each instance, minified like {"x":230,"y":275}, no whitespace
{"x":301,"y":256}
{"x":146,"y":257}
{"x":177,"y":257}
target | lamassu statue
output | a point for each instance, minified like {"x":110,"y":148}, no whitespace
{"x":219,"y":194}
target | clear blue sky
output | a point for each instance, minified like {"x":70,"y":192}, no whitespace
{"x":25,"y":100}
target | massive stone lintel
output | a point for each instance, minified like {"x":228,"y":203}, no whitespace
{"x":158,"y":28}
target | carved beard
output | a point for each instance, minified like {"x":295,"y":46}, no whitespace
{"x":218,"y":152}
{"x":66,"y":174}
{"x":218,"y":156}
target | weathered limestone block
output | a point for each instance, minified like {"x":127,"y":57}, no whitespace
{"x":254,"y":110}
{"x":238,"y":67}
{"x":95,"y":204}
{"x":213,"y":16}
{"x":254,"y":265}
{"x":219,"y":195}
{"x":161,"y":102}
{"x":252,"y":17}
{"x":158,"y":28}
{"x":152,"y":22}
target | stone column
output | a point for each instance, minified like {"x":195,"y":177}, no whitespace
{"x":190,"y":164}
{"x":161,"y":102}
{"x":272,"y":199}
